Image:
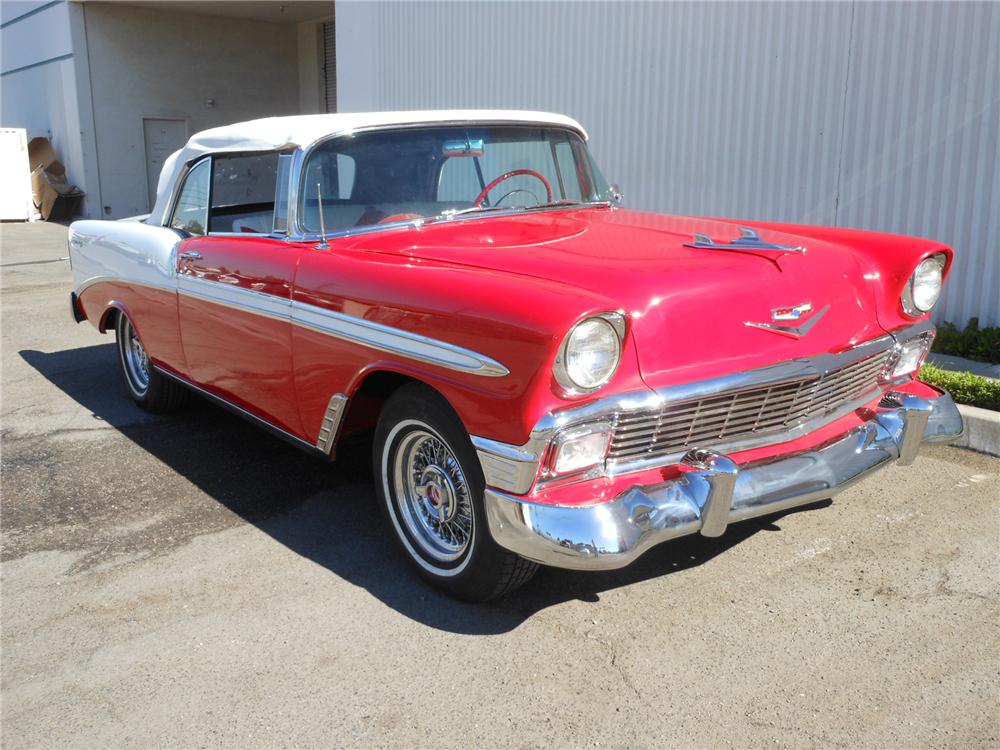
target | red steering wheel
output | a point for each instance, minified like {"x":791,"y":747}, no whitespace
{"x":506,"y":176}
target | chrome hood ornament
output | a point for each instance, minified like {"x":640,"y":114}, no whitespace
{"x":748,"y":242}
{"x":797,"y":313}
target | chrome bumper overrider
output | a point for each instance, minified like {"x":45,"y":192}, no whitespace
{"x":714,"y":491}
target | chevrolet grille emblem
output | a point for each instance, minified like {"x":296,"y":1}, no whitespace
{"x":797,"y":313}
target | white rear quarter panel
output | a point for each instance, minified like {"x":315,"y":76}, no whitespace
{"x":122,"y":251}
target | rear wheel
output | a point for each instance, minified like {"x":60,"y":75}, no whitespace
{"x":150,"y":389}
{"x":430,"y":487}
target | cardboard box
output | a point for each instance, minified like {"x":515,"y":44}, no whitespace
{"x":55,"y":198}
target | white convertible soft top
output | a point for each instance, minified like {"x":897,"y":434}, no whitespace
{"x":272,"y":133}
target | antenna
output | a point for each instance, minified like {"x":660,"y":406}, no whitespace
{"x":323,"y":244}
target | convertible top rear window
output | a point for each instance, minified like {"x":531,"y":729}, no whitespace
{"x":386,"y":176}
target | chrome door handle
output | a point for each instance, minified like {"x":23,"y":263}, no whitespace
{"x":191,"y":255}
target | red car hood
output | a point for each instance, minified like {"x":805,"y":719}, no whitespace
{"x":688,"y":307}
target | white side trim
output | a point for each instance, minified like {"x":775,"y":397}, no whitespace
{"x":345,"y":327}
{"x":247,"y":300}
{"x":395,"y":341}
{"x":87,"y":283}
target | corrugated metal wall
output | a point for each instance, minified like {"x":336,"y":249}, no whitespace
{"x":884,"y":116}
{"x":330,"y":66}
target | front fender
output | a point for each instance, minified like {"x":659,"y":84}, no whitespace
{"x":887,"y":261}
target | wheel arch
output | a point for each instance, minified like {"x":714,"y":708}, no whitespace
{"x":110,"y":315}
{"x":371,"y":389}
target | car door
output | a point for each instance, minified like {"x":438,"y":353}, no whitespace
{"x":234,"y":282}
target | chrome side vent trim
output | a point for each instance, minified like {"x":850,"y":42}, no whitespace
{"x":331,"y":423}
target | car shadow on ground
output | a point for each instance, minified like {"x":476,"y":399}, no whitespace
{"x":327,"y":512}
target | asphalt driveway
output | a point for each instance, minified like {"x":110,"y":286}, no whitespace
{"x":191,"y":581}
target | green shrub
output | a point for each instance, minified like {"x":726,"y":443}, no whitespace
{"x":971,"y":342}
{"x":964,"y":387}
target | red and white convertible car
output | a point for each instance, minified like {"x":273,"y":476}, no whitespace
{"x":551,"y":378}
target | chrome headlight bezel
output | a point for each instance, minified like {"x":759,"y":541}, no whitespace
{"x":910,"y":299}
{"x":598,"y":434}
{"x":615,"y":321}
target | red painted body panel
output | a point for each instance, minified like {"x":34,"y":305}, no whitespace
{"x":518,"y":321}
{"x":243,"y":357}
{"x":153,"y":312}
{"x":687,"y":306}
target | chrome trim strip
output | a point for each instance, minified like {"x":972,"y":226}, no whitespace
{"x":240,"y":411}
{"x":345,"y":327}
{"x":245,"y":300}
{"x":395,"y":341}
{"x":713,"y":494}
{"x":87,"y":283}
{"x":907,"y":332}
{"x":335,"y":411}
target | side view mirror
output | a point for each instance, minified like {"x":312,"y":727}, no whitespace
{"x":616,"y":195}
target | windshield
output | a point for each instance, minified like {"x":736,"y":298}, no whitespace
{"x":385,"y":176}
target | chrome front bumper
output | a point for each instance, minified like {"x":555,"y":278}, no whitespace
{"x":714,"y":492}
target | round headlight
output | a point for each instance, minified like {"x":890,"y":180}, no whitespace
{"x":590,"y":354}
{"x":924,"y":287}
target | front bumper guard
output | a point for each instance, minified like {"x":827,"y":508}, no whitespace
{"x":713,"y":491}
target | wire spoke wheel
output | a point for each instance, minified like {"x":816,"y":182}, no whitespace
{"x":432,"y":495}
{"x":431,"y":490}
{"x":134,"y":357}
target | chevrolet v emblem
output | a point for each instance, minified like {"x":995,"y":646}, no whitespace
{"x":798,"y":313}
{"x":790,"y":313}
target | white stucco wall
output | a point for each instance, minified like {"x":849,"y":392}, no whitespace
{"x":884,"y":116}
{"x":154,"y":63}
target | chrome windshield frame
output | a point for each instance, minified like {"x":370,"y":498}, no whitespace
{"x":298,"y":233}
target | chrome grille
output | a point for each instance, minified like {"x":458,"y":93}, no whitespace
{"x":733,"y":415}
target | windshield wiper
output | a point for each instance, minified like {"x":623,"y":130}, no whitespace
{"x":566,"y":204}
{"x":451,"y":213}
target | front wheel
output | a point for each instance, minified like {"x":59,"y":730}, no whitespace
{"x":430,"y":487}
{"x":151,"y":390}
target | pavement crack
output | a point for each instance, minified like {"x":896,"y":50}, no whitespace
{"x":820,"y":739}
{"x":613,"y":654}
